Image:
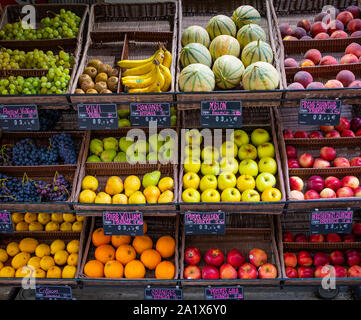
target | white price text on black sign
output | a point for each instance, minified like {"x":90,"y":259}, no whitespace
{"x":21,"y":117}
{"x":143,"y":113}
{"x":6,"y":223}
{"x":53,"y":293}
{"x":123,"y":223}
{"x":97,"y":116}
{"x":333,"y":221}
{"x":319,"y":112}
{"x":221,"y":114}
{"x":204,"y":222}
{"x":163,"y":293}
{"x":223,"y":293}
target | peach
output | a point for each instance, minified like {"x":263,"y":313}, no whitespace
{"x":306,"y":160}
{"x":354,"y":25}
{"x":285,"y":29}
{"x":313,"y":55}
{"x":333,"y":183}
{"x":318,"y":27}
{"x":307,"y":63}
{"x":328,"y":153}
{"x":315,"y":85}
{"x":311,"y":194}
{"x":356,"y":34}
{"x":345,"y":17}
{"x":295,"y":86}
{"x":355,"y":11}
{"x":306,"y":38}
{"x":354,"y":48}
{"x":346,"y":77}
{"x":305,"y":24}
{"x":333,"y":84}
{"x":323,"y":17}
{"x":357,"y":192}
{"x":335,"y":25}
{"x":355,"y":84}
{"x":298,"y":32}
{"x":321,"y":163}
{"x":327,"y":193}
{"x":348,"y":58}
{"x":351,"y":182}
{"x":296,"y":183}
{"x":296,"y":195}
{"x":344,"y":192}
{"x":303,"y":77}
{"x":289,"y":38}
{"x":339,"y":34}
{"x":322,"y":36}
{"x":328,"y":61}
{"x":290,"y":63}
{"x":341,"y":163}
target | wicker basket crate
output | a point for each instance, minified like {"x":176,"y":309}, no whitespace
{"x":199,"y":13}
{"x":243,"y":232}
{"x":157,"y":226}
{"x":48,"y":238}
{"x":252,"y":118}
{"x":300,"y":223}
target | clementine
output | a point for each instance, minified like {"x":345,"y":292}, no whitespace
{"x":165,"y":270}
{"x":125,"y":253}
{"x":113,"y":269}
{"x":98,"y":237}
{"x":119,"y":240}
{"x":134,"y":269}
{"x":94,"y":269}
{"x":150,"y":258}
{"x":104,"y":253}
{"x":165,"y":246}
{"x":141,"y":243}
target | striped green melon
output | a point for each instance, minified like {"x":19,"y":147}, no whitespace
{"x":245,"y":15}
{"x":221,"y":24}
{"x":222,"y":45}
{"x":257,"y":51}
{"x":195,"y":53}
{"x":195,"y":34}
{"x":260,"y":76}
{"x":196,"y":77}
{"x":250,"y":32}
{"x":228,"y":71}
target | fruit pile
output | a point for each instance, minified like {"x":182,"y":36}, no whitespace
{"x":156,"y":148}
{"x":63,"y":25}
{"x":115,"y":257}
{"x":31,"y":221}
{"x":223,"y":163}
{"x":345,"y":129}
{"x":324,"y":27}
{"x":221,"y":45}
{"x":257,"y":267}
{"x":29,"y":258}
{"x":148,"y":75}
{"x":98,"y":77}
{"x":155,"y":190}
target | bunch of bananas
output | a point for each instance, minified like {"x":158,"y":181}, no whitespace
{"x":148,"y":75}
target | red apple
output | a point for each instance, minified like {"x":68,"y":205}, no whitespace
{"x":354,"y":272}
{"x":257,"y":257}
{"x":315,"y":135}
{"x":296,"y":183}
{"x":345,"y":192}
{"x":341,"y":162}
{"x":355,"y":124}
{"x":192,"y":256}
{"x":300,"y":237}
{"x":333,"y":183}
{"x":317,"y":238}
{"x":304,"y":259}
{"x":333,"y":237}
{"x":355,"y":162}
{"x":357,"y":192}
{"x":326,"y":128}
{"x":345,"y":17}
{"x":332,"y":134}
{"x":267,"y":271}
{"x":358,"y":134}
{"x":349,"y":238}
{"x":343,"y":125}
{"x":355,"y":11}
{"x":214,"y":257}
{"x":353,"y":257}
{"x":347,"y":134}
{"x":328,"y":153}
{"x":290,"y":259}
{"x":356,"y":229}
{"x":305,"y":272}
{"x":306,"y":160}
{"x":235,"y":258}
{"x":320,"y":259}
{"x":288,"y":237}
{"x":227,"y":271}
{"x":291,"y":273}
{"x":192,"y":272}
{"x":247,"y":271}
{"x":327,"y":193}
{"x":321,"y":163}
{"x":291,"y":152}
{"x":301,"y":134}
{"x":350,"y":181}
{"x":337,"y":258}
{"x":287,"y":134}
{"x":324,"y":271}
{"x":210,"y":272}
{"x":293,"y":163}
{"x":296,"y":195}
{"x":340,"y":272}
{"x":311,"y":195}
{"x":315,"y":183}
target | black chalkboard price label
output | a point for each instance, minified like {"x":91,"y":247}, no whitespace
{"x":221,"y":114}
{"x":333,"y":221}
{"x":223,"y":293}
{"x":97,"y":116}
{"x":204,"y":223}
{"x":319,"y":112}
{"x":6,"y":223}
{"x":21,"y":117}
{"x":123,"y":223}
{"x":163,"y":293}
{"x":53,"y":293}
{"x":143,"y":113}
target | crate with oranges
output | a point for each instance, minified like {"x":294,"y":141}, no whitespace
{"x":151,"y":256}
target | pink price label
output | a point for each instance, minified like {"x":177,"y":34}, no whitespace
{"x":5,"y":217}
{"x":204,"y":218}
{"x":19,"y":112}
{"x":320,"y":107}
{"x":332,"y":216}
{"x":124,"y":218}
{"x":93,"y":110}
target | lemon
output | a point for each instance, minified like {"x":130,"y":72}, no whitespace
{"x":35,"y":226}
{"x":56,"y":246}
{"x":54,"y":272}
{"x":87,"y":196}
{"x":65,"y":226}
{"x":44,"y":218}
{"x":12,"y":249}
{"x":72,"y":259}
{"x":77,"y":226}
{"x":68,"y":217}
{"x":73,"y":246}
{"x":7,"y":272}
{"x":28,"y":245}
{"x":34,"y":262}
{"x":39,"y":273}
{"x":89,"y":183}
{"x":42,"y":250}
{"x":57,"y":217}
{"x":30,"y":217}
{"x":80,"y":218}
{"x":20,"y":260}
{"x":46,"y":263}
{"x":17,"y":217}
{"x":69,"y":272}
{"x":3,"y":256}
{"x":131,"y":184}
{"x":23,"y":272}
{"x":22,"y":226}
{"x":52,"y":226}
{"x":61,"y":257}
{"x":165,"y":184}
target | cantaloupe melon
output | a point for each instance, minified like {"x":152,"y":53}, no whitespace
{"x":228,"y":71}
{"x":250,"y":32}
{"x":245,"y":15}
{"x":195,"y":53}
{"x":257,"y":51}
{"x":221,"y":24}
{"x":222,"y":45}
{"x":196,"y":77}
{"x":195,"y":34}
{"x":260,"y":76}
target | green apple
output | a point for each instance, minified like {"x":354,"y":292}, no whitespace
{"x":210,"y":154}
{"x":152,"y":156}
{"x":267,"y":164}
{"x":266,"y":150}
{"x":247,"y":151}
{"x":110,"y":143}
{"x":120,"y":157}
{"x":229,"y":165}
{"x":210,"y":168}
{"x":123,"y":113}
{"x":191,"y":195}
{"x":125,"y":143}
{"x":250,"y":195}
{"x":226,"y":180}
{"x":265,"y":180}
{"x":229,"y":149}
{"x":249,"y":167}
{"x":155,"y":142}
{"x":230,"y":195}
{"x":245,"y":182}
{"x":210,"y":195}
{"x":124,"y":123}
{"x":193,"y":137}
{"x":192,"y":151}
{"x":239,"y":137}
{"x":93,"y":158}
{"x":191,"y":180}
{"x":96,"y":146}
{"x":208,"y":182}
{"x":192,"y":165}
{"x":260,"y":136}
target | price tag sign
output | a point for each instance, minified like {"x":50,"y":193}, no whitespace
{"x":204,"y":223}
{"x":123,"y":223}
{"x":97,"y":116}
{"x":333,"y":221}
{"x":319,"y":112}
{"x":6,"y":223}
{"x":224,"y":293}
{"x":163,"y":293}
{"x":21,"y":117}
{"x":53,"y":293}
{"x":142,"y":113}
{"x":221,"y":114}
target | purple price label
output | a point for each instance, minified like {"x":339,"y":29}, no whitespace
{"x":320,"y":106}
{"x":332,"y":217}
{"x":224,"y":293}
{"x":123,"y":218}
{"x":205,"y":218}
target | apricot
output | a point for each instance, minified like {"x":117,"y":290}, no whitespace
{"x":318,"y":27}
{"x":346,"y":77}
{"x":315,"y":85}
{"x":290,"y":63}
{"x":355,"y":11}
{"x":354,"y":48}
{"x":290,"y":38}
{"x":339,"y":34}
{"x":328,"y":61}
{"x":334,"y":25}
{"x":345,"y":17}
{"x":299,"y":32}
{"x":322,"y":36}
{"x":313,"y":55}
{"x":354,"y":25}
{"x":356,"y":34}
{"x":323,"y":17}
{"x":307,"y":63}
{"x":333,"y":84}
{"x":303,"y":77}
{"x":295,"y":86}
{"x":355,"y":84}
{"x":348,"y":58}
{"x":285,"y":29}
{"x":305,"y":24}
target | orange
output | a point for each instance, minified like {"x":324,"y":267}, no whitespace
{"x":99,"y":238}
{"x":141,"y":243}
{"x":165,"y":270}
{"x":113,"y":269}
{"x":150,"y":258}
{"x":134,"y":269}
{"x":125,"y":253}
{"x":104,"y":253}
{"x":165,"y":246}
{"x":145,"y":226}
{"x":119,"y":240}
{"x":94,"y":269}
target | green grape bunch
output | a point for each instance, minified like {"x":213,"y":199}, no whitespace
{"x":63,"y":25}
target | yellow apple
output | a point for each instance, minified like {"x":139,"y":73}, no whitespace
{"x":230,"y":195}
{"x":265,"y":180}
{"x":229,"y":149}
{"x":245,"y":182}
{"x":260,"y":136}
{"x":210,"y":154}
{"x":229,"y":165}
{"x":250,"y":195}
{"x":191,"y":195}
{"x":191,"y":180}
{"x":192,"y":165}
{"x":210,"y":195}
{"x":271,"y":194}
{"x":239,"y":137}
{"x":249,"y":167}
{"x":226,"y":180}
{"x":208,"y":182}
{"x":247,"y":151}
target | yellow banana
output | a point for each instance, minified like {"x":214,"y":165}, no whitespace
{"x":167,"y":62}
{"x":145,"y":68}
{"x":141,"y":82}
{"x":160,"y":77}
{"x":127,"y":64}
{"x":146,"y":75}
{"x":155,"y":87}
{"x":167,"y":77}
